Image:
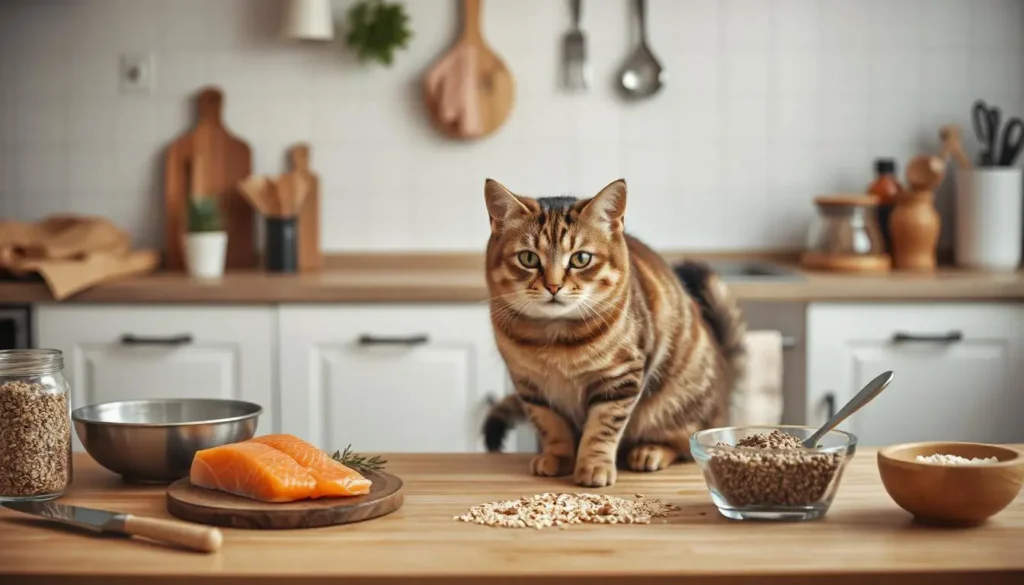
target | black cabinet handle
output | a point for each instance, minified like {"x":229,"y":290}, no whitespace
{"x":129,"y":339}
{"x":951,"y":337}
{"x":830,"y":405}
{"x":374,"y":340}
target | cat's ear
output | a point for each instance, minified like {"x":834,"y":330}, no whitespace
{"x":607,"y":208}
{"x":502,"y":205}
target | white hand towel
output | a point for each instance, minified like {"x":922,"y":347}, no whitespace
{"x":757,"y":399}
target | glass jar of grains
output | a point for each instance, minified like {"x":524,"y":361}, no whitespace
{"x":35,"y":425}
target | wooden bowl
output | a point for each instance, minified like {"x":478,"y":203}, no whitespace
{"x":956,"y":495}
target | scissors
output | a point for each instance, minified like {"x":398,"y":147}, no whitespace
{"x":986,"y":126}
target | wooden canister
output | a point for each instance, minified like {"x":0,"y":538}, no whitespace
{"x":915,"y":225}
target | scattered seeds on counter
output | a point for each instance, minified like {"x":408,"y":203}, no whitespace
{"x":943,"y":459}
{"x":561,"y":510}
{"x":784,"y":474}
{"x":35,"y":440}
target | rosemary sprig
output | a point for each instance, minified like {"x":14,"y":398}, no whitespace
{"x":358,"y":462}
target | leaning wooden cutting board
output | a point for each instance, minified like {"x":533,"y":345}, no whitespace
{"x":310,"y":256}
{"x":469,"y":93}
{"x":217,"y":508}
{"x":212,"y":160}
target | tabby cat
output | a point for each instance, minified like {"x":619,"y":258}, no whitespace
{"x":614,"y":357}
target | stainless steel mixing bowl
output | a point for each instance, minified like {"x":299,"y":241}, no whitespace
{"x":155,"y":440}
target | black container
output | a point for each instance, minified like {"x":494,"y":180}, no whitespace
{"x":282,"y":253}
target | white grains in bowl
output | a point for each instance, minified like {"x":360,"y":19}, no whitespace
{"x":943,"y":459}
{"x":561,"y":510}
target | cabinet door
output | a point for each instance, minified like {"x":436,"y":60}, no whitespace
{"x":957,"y":370}
{"x":136,"y":352}
{"x":388,"y":377}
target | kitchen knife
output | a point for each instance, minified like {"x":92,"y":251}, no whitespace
{"x":200,"y":538}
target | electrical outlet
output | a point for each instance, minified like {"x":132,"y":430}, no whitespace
{"x":138,"y":73}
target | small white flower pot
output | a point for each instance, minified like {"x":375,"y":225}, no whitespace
{"x":206,"y":253}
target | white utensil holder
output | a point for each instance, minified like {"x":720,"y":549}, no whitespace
{"x":989,"y":218}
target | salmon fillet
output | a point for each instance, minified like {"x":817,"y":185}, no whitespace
{"x":332,"y":478}
{"x":252,"y":470}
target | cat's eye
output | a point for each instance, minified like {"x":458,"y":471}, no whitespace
{"x":528,"y":259}
{"x":579,"y":259}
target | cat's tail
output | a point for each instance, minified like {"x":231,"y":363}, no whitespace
{"x":722,"y":315}
{"x":503,"y":416}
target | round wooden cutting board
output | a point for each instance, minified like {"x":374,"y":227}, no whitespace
{"x":217,"y":508}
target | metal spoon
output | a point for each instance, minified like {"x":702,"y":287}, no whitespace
{"x":642,"y":76}
{"x":873,"y":388}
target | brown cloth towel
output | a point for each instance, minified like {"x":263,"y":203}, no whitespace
{"x":71,"y":252}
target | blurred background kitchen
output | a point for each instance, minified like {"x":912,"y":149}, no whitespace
{"x":766,"y":105}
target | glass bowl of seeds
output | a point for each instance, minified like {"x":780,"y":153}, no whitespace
{"x":765,"y":473}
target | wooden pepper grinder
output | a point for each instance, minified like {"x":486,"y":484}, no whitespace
{"x":915,"y":224}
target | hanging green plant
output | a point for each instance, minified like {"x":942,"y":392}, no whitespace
{"x":377,"y":29}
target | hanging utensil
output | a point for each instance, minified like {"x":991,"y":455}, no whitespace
{"x":575,"y":69}
{"x":470,"y":91}
{"x":643,"y":75}
{"x":998,"y":149}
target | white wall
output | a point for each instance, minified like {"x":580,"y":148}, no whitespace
{"x":769,"y":103}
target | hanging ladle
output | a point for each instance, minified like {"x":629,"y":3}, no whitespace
{"x":867,"y":394}
{"x":642,"y":76}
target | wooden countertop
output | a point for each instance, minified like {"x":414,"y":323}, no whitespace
{"x":865,"y":538}
{"x":444,"y":278}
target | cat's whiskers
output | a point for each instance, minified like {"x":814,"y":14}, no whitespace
{"x":620,"y":312}
{"x":591,"y":308}
{"x":504,"y":308}
{"x":515,"y":311}
{"x":507,"y":310}
{"x":497,"y":297}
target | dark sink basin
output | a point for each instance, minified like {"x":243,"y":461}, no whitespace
{"x":733,"y":270}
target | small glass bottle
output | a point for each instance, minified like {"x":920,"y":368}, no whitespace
{"x":886,"y":188}
{"x":35,"y":425}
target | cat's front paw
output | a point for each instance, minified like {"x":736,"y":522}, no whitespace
{"x":548,"y":465}
{"x":595,"y":474}
{"x":650,"y":457}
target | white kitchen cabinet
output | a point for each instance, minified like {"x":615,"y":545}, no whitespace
{"x":127,"y":352}
{"x":410,"y":378}
{"x":958,"y":370}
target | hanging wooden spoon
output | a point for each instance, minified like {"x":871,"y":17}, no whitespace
{"x":469,"y":92}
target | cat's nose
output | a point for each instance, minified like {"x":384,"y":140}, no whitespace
{"x":554,"y":288}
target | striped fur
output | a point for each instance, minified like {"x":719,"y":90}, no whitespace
{"x":614,"y":357}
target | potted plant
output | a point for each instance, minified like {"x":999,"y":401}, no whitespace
{"x":206,"y":243}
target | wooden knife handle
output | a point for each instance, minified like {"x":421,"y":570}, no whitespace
{"x":195,"y":537}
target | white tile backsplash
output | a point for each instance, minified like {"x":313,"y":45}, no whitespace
{"x":768,"y":103}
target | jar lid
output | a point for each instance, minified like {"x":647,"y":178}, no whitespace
{"x":885,"y":166}
{"x":30,"y":362}
{"x":851,"y":200}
